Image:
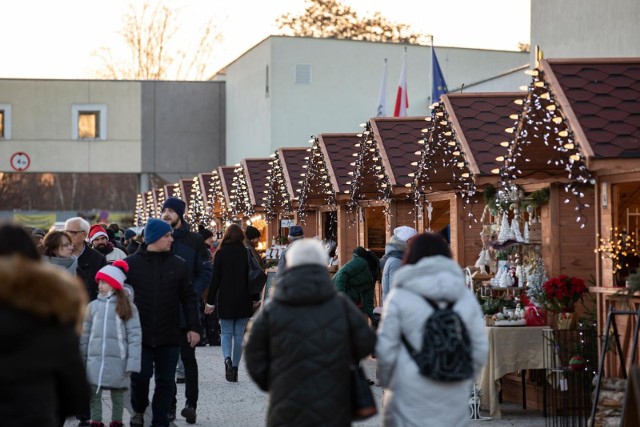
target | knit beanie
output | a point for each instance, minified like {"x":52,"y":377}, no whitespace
{"x":295,"y":231}
{"x":129,"y":234}
{"x":176,"y":205}
{"x":96,"y":231}
{"x":114,"y":274}
{"x":251,"y":232}
{"x":404,"y":233}
{"x":155,"y":229}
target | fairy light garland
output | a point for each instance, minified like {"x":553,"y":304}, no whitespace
{"x":369,"y":163}
{"x":151,"y":210}
{"x":277,"y":194}
{"x":197,"y":213}
{"x":441,"y":150}
{"x":140,"y":211}
{"x":315,"y":180}
{"x":159,"y":199}
{"x":240,"y":199}
{"x":544,"y":121}
{"x":217,"y":198}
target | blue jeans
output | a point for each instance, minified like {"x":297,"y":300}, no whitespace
{"x":161,"y":362}
{"x":232,"y":333}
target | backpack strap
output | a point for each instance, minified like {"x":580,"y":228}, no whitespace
{"x":412,"y":351}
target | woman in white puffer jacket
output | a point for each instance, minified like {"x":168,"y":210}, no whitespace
{"x":411,"y":399}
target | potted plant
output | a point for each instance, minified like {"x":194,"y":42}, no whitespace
{"x":560,"y":295}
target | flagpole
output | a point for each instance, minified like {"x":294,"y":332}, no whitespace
{"x":431,"y":70}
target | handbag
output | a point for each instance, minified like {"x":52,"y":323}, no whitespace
{"x":257,"y":276}
{"x":363,"y":404}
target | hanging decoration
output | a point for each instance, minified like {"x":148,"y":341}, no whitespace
{"x":315,"y":181}
{"x":545,"y":121}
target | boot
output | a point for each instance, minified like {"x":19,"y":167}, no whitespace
{"x":228,"y":369}
{"x":235,"y":374}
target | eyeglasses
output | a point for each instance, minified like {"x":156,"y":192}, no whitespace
{"x":66,"y":245}
{"x":74,"y":232}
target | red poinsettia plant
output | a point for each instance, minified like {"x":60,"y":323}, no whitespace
{"x":563,"y":292}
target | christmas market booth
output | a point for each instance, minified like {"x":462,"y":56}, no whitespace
{"x":284,"y":180}
{"x":326,"y":187}
{"x":226,"y":175}
{"x":388,"y":152}
{"x":463,"y":137}
{"x":249,"y":189}
{"x":214,"y":209}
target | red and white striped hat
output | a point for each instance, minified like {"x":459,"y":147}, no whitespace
{"x":114,"y":274}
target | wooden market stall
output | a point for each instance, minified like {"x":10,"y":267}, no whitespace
{"x":215,"y":207}
{"x":462,"y":141}
{"x":285,"y":176}
{"x":387,"y":159}
{"x":251,"y":187}
{"x":326,"y":187}
{"x":226,"y":175}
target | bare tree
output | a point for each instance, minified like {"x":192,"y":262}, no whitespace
{"x":150,"y":32}
{"x":332,"y":19}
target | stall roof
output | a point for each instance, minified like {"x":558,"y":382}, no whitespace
{"x":601,"y":99}
{"x":293,"y":160}
{"x":256,"y":173}
{"x":338,"y":150}
{"x":186,"y":189}
{"x":226,"y":174}
{"x":212,"y":193}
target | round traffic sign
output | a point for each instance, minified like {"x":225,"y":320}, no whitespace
{"x":20,"y":161}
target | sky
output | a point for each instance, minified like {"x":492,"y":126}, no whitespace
{"x":57,"y":39}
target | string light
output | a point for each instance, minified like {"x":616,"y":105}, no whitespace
{"x":442,"y":155}
{"x":316,"y":183}
{"x":544,"y":123}
{"x":277,"y":194}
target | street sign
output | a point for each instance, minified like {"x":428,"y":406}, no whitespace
{"x":20,"y":161}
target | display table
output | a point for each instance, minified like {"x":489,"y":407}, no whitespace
{"x":510,"y":349}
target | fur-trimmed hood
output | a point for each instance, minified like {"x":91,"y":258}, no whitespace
{"x":42,"y":290}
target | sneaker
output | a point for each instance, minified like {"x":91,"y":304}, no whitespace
{"x":180,"y":380}
{"x":82,"y":422}
{"x":189,"y":413}
{"x":172,"y":413}
{"x":137,"y":419}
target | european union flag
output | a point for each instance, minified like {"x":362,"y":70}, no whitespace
{"x":439,"y":85}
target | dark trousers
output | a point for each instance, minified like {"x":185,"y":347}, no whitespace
{"x":188,"y":356}
{"x":161,"y":362}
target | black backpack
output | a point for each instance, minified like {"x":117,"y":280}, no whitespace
{"x":446,"y":348}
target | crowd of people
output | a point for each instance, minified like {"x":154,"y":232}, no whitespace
{"x":124,"y":308}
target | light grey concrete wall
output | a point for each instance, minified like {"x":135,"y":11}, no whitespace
{"x":344,"y":89}
{"x":183,"y":128}
{"x":586,"y":28}
{"x":41,"y":125}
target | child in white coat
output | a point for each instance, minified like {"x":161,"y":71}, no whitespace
{"x":111,"y":341}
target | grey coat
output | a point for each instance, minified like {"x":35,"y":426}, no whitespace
{"x":110,"y":347}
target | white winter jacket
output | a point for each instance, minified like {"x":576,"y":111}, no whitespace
{"x":110,"y":347}
{"x":411,"y":399}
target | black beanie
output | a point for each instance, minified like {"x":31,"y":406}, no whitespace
{"x":252,"y":233}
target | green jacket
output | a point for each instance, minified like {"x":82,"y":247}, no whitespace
{"x":356,"y":280}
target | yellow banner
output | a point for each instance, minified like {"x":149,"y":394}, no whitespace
{"x":42,"y":221}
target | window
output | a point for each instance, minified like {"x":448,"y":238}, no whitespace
{"x":302,"y":74}
{"x":89,"y":121}
{"x":5,"y":121}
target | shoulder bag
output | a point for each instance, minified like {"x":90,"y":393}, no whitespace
{"x":257,"y":276}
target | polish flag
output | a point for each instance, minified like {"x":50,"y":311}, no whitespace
{"x":402,"y":99}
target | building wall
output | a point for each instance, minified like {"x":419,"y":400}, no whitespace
{"x":585,"y":28}
{"x":183,"y":128}
{"x":41,"y":125}
{"x":344,"y":88}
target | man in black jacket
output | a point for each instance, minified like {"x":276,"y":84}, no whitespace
{"x":160,"y":281}
{"x":90,"y":261}
{"x":191,"y":248}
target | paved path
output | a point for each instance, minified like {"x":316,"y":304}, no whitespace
{"x":242,"y":404}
